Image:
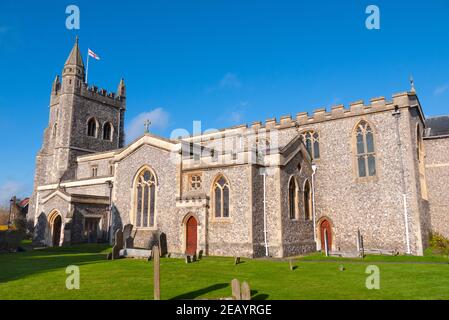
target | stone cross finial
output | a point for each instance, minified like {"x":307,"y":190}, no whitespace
{"x":147,"y":125}
{"x":412,"y":84}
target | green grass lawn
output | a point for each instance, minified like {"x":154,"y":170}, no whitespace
{"x":40,"y":274}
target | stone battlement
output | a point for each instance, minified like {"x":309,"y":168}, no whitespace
{"x":101,"y":95}
{"x":357,"y":108}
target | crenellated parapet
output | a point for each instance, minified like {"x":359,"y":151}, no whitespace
{"x":102,"y":96}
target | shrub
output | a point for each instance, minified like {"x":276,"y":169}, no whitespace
{"x":439,"y":244}
{"x":10,"y":240}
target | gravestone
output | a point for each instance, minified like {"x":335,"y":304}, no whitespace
{"x":237,"y":260}
{"x":163,"y":244}
{"x":187,"y":258}
{"x":236,"y":294}
{"x":246,"y":291}
{"x":290,"y":263}
{"x":129,"y":242}
{"x":341,"y":268}
{"x":194,"y":258}
{"x":118,"y":244}
{"x":200,"y":255}
{"x":156,"y":276}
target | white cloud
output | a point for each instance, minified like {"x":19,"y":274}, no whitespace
{"x":236,"y":115}
{"x":159,"y":120}
{"x":230,"y":80}
{"x":9,"y":189}
{"x":441,"y":89}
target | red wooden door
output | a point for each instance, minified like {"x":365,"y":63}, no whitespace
{"x":326,"y":231}
{"x":191,"y":236}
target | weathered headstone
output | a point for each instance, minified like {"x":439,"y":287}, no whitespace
{"x":187,"y":258}
{"x":290,"y":264}
{"x":236,"y":293}
{"x":156,"y":276}
{"x":163,"y":244}
{"x":194,"y":258}
{"x":237,"y":260}
{"x":200,"y":255}
{"x":246,"y":291}
{"x":341,"y":268}
{"x":118,"y":244}
{"x":128,"y":240}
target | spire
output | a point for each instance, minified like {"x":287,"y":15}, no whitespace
{"x":121,"y":90}
{"x":75,"y":58}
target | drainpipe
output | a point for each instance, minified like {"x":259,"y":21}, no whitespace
{"x":110,"y":185}
{"x":265,"y":211}
{"x":397,"y":115}
{"x":314,"y":167}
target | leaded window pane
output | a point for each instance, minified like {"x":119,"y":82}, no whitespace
{"x":309,"y":147}
{"x":362,"y":168}
{"x":369,"y":142}
{"x":217,"y":202}
{"x":316,"y":149}
{"x":139,"y":206}
{"x":152,"y":203}
{"x":226,"y":202}
{"x":292,"y":191}
{"x":371,"y":165}
{"x":307,"y":201}
{"x":360,"y":144}
{"x":145,"y":206}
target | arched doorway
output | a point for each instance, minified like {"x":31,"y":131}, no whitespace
{"x":326,"y":235}
{"x":56,"y":231}
{"x":191,"y":236}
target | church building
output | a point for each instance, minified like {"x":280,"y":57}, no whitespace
{"x":279,"y":188}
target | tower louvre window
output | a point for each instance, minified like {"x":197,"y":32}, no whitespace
{"x":107,"y":131}
{"x":92,"y":128}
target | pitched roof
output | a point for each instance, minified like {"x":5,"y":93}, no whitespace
{"x":437,"y":126}
{"x":75,"y":56}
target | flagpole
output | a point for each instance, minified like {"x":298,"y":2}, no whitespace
{"x":87,"y":67}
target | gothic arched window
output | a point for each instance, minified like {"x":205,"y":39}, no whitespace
{"x":145,"y":190}
{"x":365,"y":154}
{"x":312,"y":141}
{"x":107,"y":131}
{"x":221,"y":197}
{"x":92,"y":127}
{"x":292,"y":198}
{"x":308,"y":205}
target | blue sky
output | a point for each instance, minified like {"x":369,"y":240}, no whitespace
{"x":219,"y":61}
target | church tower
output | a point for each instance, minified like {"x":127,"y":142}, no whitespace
{"x":83,"y":119}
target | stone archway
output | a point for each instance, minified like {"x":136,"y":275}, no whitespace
{"x":326,"y":235}
{"x":55,"y":228}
